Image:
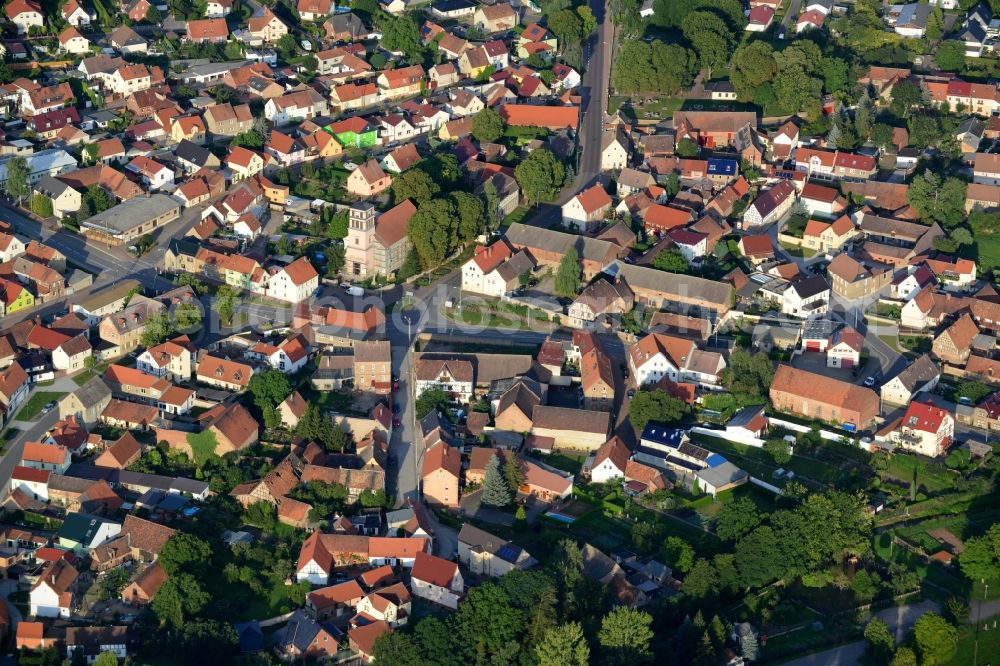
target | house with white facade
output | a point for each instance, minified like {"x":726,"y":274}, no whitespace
{"x":659,"y":356}
{"x":844,"y":349}
{"x":293,"y":283}
{"x":52,"y":593}
{"x":437,"y":580}
{"x":770,"y":206}
{"x":610,"y":461}
{"x":454,"y":377}
{"x":587,"y":210}
{"x":925,"y":429}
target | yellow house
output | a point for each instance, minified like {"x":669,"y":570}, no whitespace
{"x":827,"y":236}
{"x":15,"y":297}
{"x":322,"y":145}
{"x":274,"y":193}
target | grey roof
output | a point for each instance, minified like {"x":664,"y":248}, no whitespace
{"x":721,"y":475}
{"x":132,"y":213}
{"x":299,"y":632}
{"x":51,"y":187}
{"x":93,"y":392}
{"x":815,"y":329}
{"x":919,"y":373}
{"x":557,"y":242}
{"x":745,"y":416}
{"x":517,"y":264}
{"x":688,"y":286}
{"x":126,"y":36}
{"x":810,"y":286}
{"x":103,"y":297}
{"x":44,"y":161}
{"x":189,"y":151}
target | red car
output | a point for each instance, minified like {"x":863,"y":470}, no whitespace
{"x":395,"y":386}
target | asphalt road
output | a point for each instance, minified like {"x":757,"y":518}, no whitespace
{"x":594,"y":86}
{"x":900,"y":620}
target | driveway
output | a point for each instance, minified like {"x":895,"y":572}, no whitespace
{"x":8,"y":587}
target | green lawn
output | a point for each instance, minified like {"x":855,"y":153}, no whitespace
{"x":989,"y":252}
{"x":933,"y":477}
{"x":891,"y":340}
{"x":202,"y":445}
{"x":989,"y":646}
{"x":517,"y":216}
{"x":564,"y":461}
{"x":35,"y":403}
{"x":798,"y":250}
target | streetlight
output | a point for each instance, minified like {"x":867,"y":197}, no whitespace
{"x":979,"y":616}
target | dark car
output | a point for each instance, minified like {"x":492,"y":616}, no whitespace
{"x":396,"y":422}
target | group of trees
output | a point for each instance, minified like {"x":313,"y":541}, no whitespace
{"x":447,"y":215}
{"x":789,"y":80}
{"x":551,"y":617}
{"x":748,"y":377}
{"x":183,"y":319}
{"x":932,"y":642}
{"x":501,"y":484}
{"x":800,"y":541}
{"x":644,"y":67}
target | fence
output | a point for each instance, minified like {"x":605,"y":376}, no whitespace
{"x":739,"y":438}
{"x":765,"y":485}
{"x":828,"y":435}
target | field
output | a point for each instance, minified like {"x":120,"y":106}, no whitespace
{"x":35,"y":404}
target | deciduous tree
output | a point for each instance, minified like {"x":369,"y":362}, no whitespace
{"x":981,"y":557}
{"x":563,"y":646}
{"x":487,"y":125}
{"x":655,"y":405}
{"x":540,"y":175}
{"x":935,"y":639}
{"x":626,"y":637}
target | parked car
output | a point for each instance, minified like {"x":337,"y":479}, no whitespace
{"x":396,"y":422}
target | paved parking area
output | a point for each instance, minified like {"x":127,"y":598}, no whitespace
{"x":816,"y":362}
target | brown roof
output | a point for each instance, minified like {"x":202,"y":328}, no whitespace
{"x":146,"y":535}
{"x":594,"y":198}
{"x":344,"y":593}
{"x":614,"y":450}
{"x":433,"y":570}
{"x":962,"y":332}
{"x":531,"y":115}
{"x":440,"y":456}
{"x":363,"y":637}
{"x":44,"y":453}
{"x":221,"y":369}
{"x":371,"y":172}
{"x":822,"y":389}
{"x":430,"y":369}
{"x":566,"y":418}
{"x":390,"y":227}
{"x":151,"y":579}
{"x":120,"y":453}
{"x":130,"y":412}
